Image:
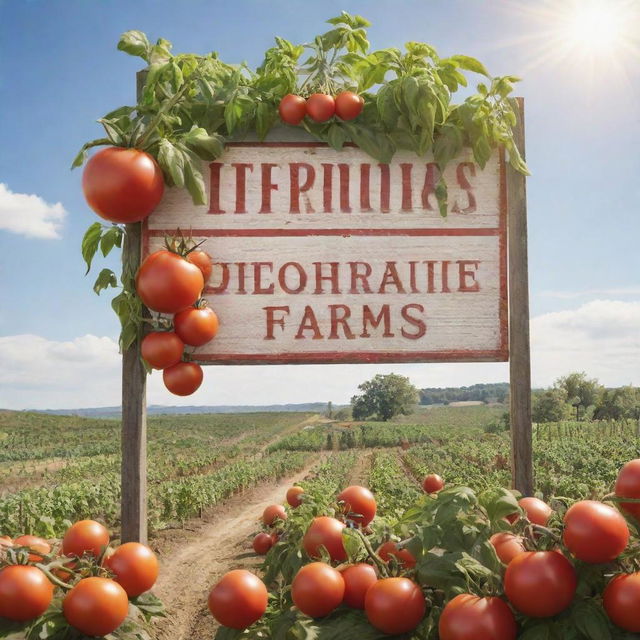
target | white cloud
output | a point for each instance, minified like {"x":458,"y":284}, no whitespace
{"x":601,"y":337}
{"x":591,"y":293}
{"x":29,"y":214}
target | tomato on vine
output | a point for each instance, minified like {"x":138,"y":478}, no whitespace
{"x":320,"y":107}
{"x":628,"y":486}
{"x":202,"y":260}
{"x":358,"y":578}
{"x":294,"y":496}
{"x":433,"y":483}
{"x":196,"y":326}
{"x":135,"y":567}
{"x":403,"y":557}
{"x":348,"y":105}
{"x":162,"y":349}
{"x":395,"y":605}
{"x":183,"y":379}
{"x":292,"y":109}
{"x":621,"y":600}
{"x":317,"y":589}
{"x":325,"y":532}
{"x":85,"y":536}
{"x":272,"y":513}
{"x":262,"y":543}
{"x":469,"y":617}
{"x":122,"y":185}
{"x":25,"y":593}
{"x":359,"y":504}
{"x":238,"y":599}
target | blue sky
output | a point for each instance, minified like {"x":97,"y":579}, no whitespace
{"x":60,"y":71}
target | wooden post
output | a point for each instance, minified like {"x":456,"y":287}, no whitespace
{"x":519,"y":348}
{"x":133,"y":507}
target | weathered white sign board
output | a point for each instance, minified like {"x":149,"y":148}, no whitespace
{"x":326,"y":256}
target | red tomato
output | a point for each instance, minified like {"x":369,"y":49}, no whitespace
{"x":196,"y":326}
{"x":320,"y":107}
{"x":628,"y":486}
{"x":238,"y":600}
{"x":433,"y":483}
{"x":272,"y":513}
{"x":595,"y":532}
{"x":294,"y":496}
{"x":202,"y":260}
{"x":183,"y":379}
{"x":394,"y":605}
{"x":317,"y":589}
{"x":325,"y":532}
{"x":25,"y":593}
{"x":621,"y":600}
{"x":540,"y":584}
{"x":357,"y":580}
{"x":135,"y":567}
{"x":122,"y":185}
{"x":507,"y":546}
{"x":292,"y":109}
{"x":162,"y":349}
{"x":86,"y":536}
{"x":404,"y":557}
{"x":167,"y":283}
{"x":34,"y":543}
{"x":359,"y":504}
{"x":96,"y":606}
{"x":262,"y":543}
{"x":537,"y":511}
{"x":468,"y":617}
{"x":348,"y":105}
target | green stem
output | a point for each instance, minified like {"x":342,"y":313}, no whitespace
{"x":52,"y":578}
{"x":378,"y":561}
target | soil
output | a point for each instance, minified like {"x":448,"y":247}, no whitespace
{"x":193,"y":559}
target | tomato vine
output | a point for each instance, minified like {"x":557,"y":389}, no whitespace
{"x":190,"y":105}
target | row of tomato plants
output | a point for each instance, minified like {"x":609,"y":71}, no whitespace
{"x":456,"y":565}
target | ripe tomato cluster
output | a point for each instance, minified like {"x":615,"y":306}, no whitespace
{"x":169,"y":283}
{"x":92,"y":581}
{"x":320,"y":107}
{"x":539,"y":578}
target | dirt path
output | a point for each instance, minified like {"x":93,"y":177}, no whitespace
{"x":192,"y":560}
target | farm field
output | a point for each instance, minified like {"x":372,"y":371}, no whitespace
{"x":211,"y":476}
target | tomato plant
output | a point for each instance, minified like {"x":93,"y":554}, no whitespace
{"x":325,"y":532}
{"x":595,"y":532}
{"x":272,"y":513}
{"x":196,"y":326}
{"x":357,"y":580}
{"x":348,"y":105}
{"x":403,"y":556}
{"x":433,"y":483}
{"x":25,"y":593}
{"x":317,"y":589}
{"x":34,"y":543}
{"x":537,"y":510}
{"x":162,"y":349}
{"x":238,"y":599}
{"x":135,"y":567}
{"x":96,"y":606}
{"x":183,"y":379}
{"x":122,"y":185}
{"x":320,"y":107}
{"x":294,"y":496}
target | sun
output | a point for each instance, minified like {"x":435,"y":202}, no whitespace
{"x":594,"y":25}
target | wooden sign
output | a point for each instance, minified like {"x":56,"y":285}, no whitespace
{"x":326,"y":256}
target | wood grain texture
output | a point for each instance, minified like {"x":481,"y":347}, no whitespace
{"x":520,"y":356}
{"x":134,"y":411}
{"x":408,"y":286}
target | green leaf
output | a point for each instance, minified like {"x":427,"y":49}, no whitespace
{"x":377,"y":144}
{"x":207,"y":147}
{"x":81,"y":156}
{"x":410,"y":90}
{"x":265,"y":119}
{"x":90,"y":243}
{"x":106,"y":278}
{"x":591,"y":620}
{"x":336,"y":136}
{"x":233,"y":114}
{"x":471,"y":64}
{"x":111,"y":238}
{"x":135,"y":43}
{"x":386,"y":104}
{"x":447,"y":145}
{"x":498,"y":503}
{"x":172,"y":161}
{"x":442,"y":195}
{"x":193,"y":178}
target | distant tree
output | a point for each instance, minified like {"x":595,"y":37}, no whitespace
{"x":580,"y":390}
{"x":618,"y":404}
{"x":383,"y":397}
{"x":342,"y":414}
{"x":550,"y":406}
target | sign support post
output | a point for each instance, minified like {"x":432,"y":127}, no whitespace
{"x":133,"y":506}
{"x":519,"y":347}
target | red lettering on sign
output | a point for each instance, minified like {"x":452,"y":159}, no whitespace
{"x":374,"y":321}
{"x":407,"y":204}
{"x":224,"y":281}
{"x":391,"y":277}
{"x":345,"y":206}
{"x":431,"y":177}
{"x":465,"y":273}
{"x":340,"y":313}
{"x":327,"y":187}
{"x":445,"y":276}
{"x":241,"y":277}
{"x":362,"y":277}
{"x":309,"y":323}
{"x":296,"y":189}
{"x":214,"y":178}
{"x":257,"y":278}
{"x":302,"y":277}
{"x":365,"y":200}
{"x":385,"y":187}
{"x":241,"y":185}
{"x":464,"y":183}
{"x":333,"y":277}
{"x":412,"y":276}
{"x":420,"y":324}
{"x":272,"y":320}
{"x":267,"y":186}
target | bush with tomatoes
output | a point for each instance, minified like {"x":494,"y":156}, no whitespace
{"x":76,"y":587}
{"x":452,"y":567}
